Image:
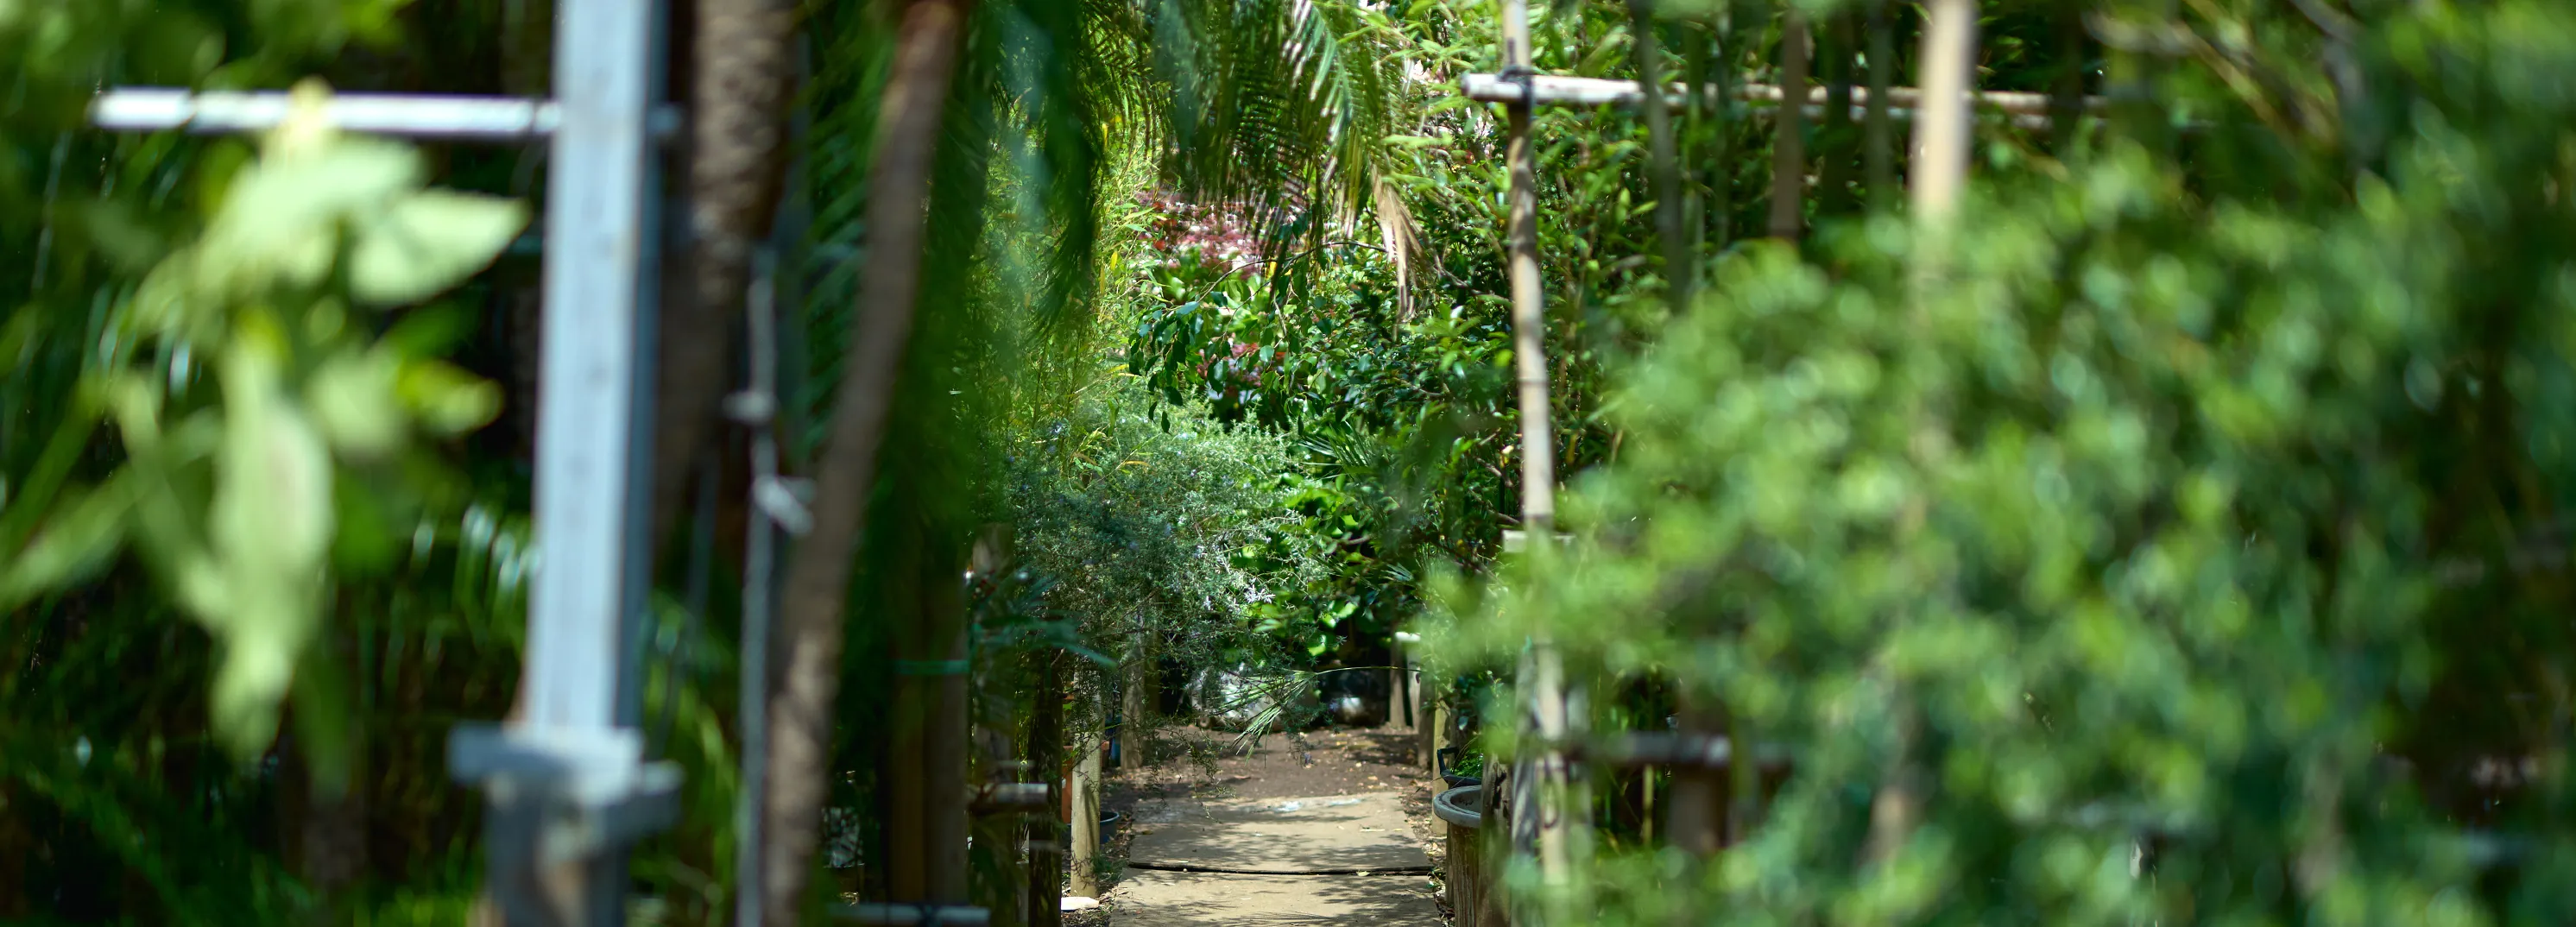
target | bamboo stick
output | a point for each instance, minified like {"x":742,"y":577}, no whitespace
{"x":1941,"y":135}
{"x":1538,"y":445}
{"x":1940,"y":173}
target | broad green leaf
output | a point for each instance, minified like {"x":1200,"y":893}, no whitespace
{"x":447,"y":400}
{"x":428,"y":242}
{"x":355,"y":405}
{"x":83,"y":534}
{"x":281,"y":220}
{"x":271,"y":523}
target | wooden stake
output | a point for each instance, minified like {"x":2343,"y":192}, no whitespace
{"x":1879,"y":138}
{"x":1697,"y":803}
{"x":1835,"y":138}
{"x":944,"y":757}
{"x":1046,"y":832}
{"x":1789,"y":147}
{"x":1086,"y":817}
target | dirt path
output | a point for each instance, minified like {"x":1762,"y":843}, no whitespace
{"x":1343,"y":809}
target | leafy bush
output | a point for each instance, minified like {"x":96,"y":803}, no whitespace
{"x":2146,"y":552}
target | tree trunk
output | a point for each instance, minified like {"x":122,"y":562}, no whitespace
{"x":744,"y":70}
{"x":818,"y":576}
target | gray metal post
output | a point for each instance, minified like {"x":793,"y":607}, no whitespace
{"x":599,"y":259}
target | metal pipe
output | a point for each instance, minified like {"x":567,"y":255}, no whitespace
{"x":1556,"y":90}
{"x":426,"y":117}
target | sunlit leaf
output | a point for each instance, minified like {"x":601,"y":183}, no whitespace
{"x":428,"y":242}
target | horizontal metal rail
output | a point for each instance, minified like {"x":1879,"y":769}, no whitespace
{"x":429,"y":117}
{"x":2029,"y":110}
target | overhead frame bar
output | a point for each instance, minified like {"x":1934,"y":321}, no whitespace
{"x":425,"y":117}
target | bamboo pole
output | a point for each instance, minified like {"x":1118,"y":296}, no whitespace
{"x":1789,"y":145}
{"x":1941,"y":134}
{"x":1529,"y":313}
{"x":1940,"y":173}
{"x":1556,"y":818}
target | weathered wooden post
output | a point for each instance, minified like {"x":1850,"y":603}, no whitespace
{"x":1085,"y":789}
{"x":1046,"y":832}
{"x":1789,"y":147}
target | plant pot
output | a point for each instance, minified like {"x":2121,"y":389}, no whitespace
{"x":1466,"y":876}
{"x":1108,"y":830}
{"x":1457,"y":781}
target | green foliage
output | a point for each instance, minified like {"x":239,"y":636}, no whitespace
{"x":2170,"y":543}
{"x":1156,"y":527}
{"x":229,"y":493}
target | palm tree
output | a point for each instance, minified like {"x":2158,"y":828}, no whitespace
{"x":1277,"y":105}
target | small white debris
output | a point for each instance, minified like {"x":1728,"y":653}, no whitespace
{"x":1077,"y":903}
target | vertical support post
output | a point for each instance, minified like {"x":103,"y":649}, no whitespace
{"x":1789,"y":149}
{"x":759,"y":574}
{"x":1085,"y":789}
{"x":1555,"y":817}
{"x":1940,"y":172}
{"x":1046,"y":758}
{"x":1696,"y":806}
{"x":1880,"y":155}
{"x":1941,"y":122}
{"x":1529,"y":312}
{"x":592,"y":407}
{"x":583,"y":649}
{"x":944,"y":758}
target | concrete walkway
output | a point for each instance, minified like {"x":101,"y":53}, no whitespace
{"x":1267,"y":845}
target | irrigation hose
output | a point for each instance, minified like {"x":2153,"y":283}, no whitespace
{"x":1220,"y":870}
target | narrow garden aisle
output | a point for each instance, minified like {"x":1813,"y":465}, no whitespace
{"x":1332,"y":828}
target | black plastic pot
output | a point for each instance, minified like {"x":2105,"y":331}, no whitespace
{"x":1457,"y":781}
{"x":1108,"y":830}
